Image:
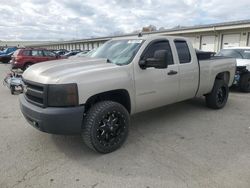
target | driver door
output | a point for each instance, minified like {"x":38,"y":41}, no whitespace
{"x":156,"y":87}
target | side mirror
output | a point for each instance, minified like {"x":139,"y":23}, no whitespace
{"x":159,"y":61}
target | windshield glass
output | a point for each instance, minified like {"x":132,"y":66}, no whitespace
{"x":120,"y":52}
{"x":235,"y":53}
{"x":5,"y":50}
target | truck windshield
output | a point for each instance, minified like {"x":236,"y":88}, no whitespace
{"x":120,"y":52}
{"x":235,"y":53}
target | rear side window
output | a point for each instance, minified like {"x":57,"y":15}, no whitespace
{"x":26,"y":53}
{"x":183,"y":51}
{"x":37,"y":53}
{"x":161,"y":45}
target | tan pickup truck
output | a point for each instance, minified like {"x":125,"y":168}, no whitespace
{"x":94,"y":96}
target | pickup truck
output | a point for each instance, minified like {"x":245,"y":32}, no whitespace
{"x":95,"y":96}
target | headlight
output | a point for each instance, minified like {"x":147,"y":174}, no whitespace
{"x":62,"y":95}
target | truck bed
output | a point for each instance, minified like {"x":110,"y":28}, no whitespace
{"x":210,"y":67}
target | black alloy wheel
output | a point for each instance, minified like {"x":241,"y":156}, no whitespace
{"x":111,"y":129}
{"x":221,"y":95}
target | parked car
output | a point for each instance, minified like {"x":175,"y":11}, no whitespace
{"x":71,"y":53}
{"x":81,"y":54}
{"x":61,"y":52}
{"x":95,"y":96}
{"x":7,"y":51}
{"x":5,"y":58}
{"x":23,"y":58}
{"x":242,"y":56}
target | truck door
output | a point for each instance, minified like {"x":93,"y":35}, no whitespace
{"x":188,"y":70}
{"x":156,"y":87}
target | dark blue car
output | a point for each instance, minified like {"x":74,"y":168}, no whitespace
{"x":7,"y":51}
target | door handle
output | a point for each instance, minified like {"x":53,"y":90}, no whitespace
{"x":172,"y":72}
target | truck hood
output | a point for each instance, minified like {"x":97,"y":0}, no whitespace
{"x":66,"y":70}
{"x":243,"y":62}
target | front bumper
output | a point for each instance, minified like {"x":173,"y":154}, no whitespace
{"x":65,"y":121}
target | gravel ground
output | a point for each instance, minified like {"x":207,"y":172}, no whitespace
{"x":181,"y":145}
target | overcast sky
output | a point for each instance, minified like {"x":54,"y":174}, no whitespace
{"x":73,"y":19}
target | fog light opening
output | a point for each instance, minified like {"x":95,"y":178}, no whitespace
{"x":36,"y":124}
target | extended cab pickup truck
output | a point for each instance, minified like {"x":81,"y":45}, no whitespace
{"x":94,"y":96}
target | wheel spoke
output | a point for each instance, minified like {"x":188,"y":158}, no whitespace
{"x":115,"y":120}
{"x":110,"y":129}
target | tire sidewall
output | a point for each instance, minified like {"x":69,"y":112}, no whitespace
{"x":223,"y":85}
{"x":211,"y":98}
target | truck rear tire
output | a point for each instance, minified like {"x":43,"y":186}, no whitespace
{"x":245,"y":82}
{"x":217,"y":99}
{"x":106,"y":126}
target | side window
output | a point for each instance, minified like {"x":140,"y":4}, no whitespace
{"x":183,"y":51}
{"x":26,"y":53}
{"x":37,"y":53}
{"x":161,"y":45}
{"x":49,"y":54}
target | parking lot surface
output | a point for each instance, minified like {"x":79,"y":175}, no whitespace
{"x":181,"y":145}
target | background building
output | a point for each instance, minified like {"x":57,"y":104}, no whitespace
{"x":210,"y":37}
{"x":20,"y":44}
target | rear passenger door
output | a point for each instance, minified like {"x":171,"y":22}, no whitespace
{"x":37,"y":56}
{"x":188,"y":70}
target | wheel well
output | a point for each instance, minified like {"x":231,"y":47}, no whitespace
{"x":121,"y":96}
{"x":224,"y":76}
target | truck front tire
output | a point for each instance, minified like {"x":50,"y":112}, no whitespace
{"x":106,"y":126}
{"x":245,"y":82}
{"x":217,"y":99}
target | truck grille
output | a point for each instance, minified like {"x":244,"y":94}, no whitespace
{"x":36,"y":93}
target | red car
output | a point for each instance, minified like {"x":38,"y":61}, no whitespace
{"x":23,"y":58}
